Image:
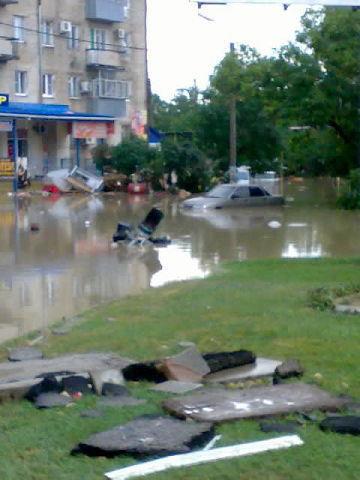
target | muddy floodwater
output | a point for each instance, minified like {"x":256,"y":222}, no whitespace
{"x":68,"y":265}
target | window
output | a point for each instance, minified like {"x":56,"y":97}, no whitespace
{"x":48,"y":34}
{"x":256,"y":192}
{"x":241,"y":192}
{"x":73,"y":40}
{"x":74,"y":87}
{"x":48,"y":85}
{"x":21,"y":83}
{"x":98,"y":39}
{"x":19,"y":32}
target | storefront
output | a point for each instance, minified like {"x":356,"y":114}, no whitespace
{"x":49,"y":137}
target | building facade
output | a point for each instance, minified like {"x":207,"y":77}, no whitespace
{"x":88,"y":55}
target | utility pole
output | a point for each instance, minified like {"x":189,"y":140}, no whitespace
{"x":233,"y":146}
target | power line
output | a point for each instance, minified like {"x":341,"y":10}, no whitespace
{"x":58,"y":35}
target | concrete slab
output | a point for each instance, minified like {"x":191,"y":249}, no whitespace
{"x":220,"y":405}
{"x":147,"y":435}
{"x":187,"y":366}
{"x":263,"y":367}
{"x":172,"y":386}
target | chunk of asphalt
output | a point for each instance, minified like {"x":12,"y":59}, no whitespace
{"x":100,"y":377}
{"x":279,"y":427}
{"x":158,"y":436}
{"x":112,"y":390}
{"x":348,"y":424}
{"x":51,"y":400}
{"x":223,"y":360}
{"x":187,"y":366}
{"x":23,"y":354}
{"x":289,"y":368}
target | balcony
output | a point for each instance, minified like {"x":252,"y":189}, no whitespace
{"x":3,"y":3}
{"x":102,"y":58}
{"x":7,"y":50}
{"x":108,"y":97}
{"x":105,"y":10}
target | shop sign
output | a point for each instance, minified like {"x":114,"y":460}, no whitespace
{"x":6,"y":126}
{"x":89,"y":130}
{"x":7,"y":169}
{"x":4,"y":99}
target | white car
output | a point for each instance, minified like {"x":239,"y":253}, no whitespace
{"x":232,"y":195}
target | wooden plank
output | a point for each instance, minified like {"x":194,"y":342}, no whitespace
{"x":197,"y":458}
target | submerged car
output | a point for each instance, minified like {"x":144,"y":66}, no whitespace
{"x":228,"y":195}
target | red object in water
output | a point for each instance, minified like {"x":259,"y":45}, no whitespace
{"x":51,"y":188}
{"x":138,"y":188}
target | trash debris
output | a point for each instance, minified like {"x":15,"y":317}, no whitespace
{"x":173,"y":386}
{"x":16,"y":378}
{"x":22,"y":354}
{"x":197,"y":458}
{"x":84,"y":181}
{"x":76,"y":384}
{"x":219,"y":405}
{"x":143,"y":232}
{"x":188,"y":366}
{"x":349,"y":424}
{"x":148,"y":435}
{"x":263,"y":367}
{"x":223,"y":360}
{"x":55,"y":181}
{"x":34,"y":227}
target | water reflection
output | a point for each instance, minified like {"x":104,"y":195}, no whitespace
{"x":69,"y":265}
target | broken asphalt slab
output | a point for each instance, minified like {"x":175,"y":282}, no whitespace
{"x":221,"y":405}
{"x":263,"y":367}
{"x":225,"y":360}
{"x":22,"y":354}
{"x":148,"y":435}
{"x":349,"y":424}
{"x":173,"y":386}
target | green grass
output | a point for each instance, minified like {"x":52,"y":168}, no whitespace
{"x":259,"y":305}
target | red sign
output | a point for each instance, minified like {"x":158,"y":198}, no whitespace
{"x":89,"y":130}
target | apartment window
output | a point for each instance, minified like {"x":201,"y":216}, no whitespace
{"x":19,"y":32}
{"x":48,"y":34}
{"x":98,"y":39}
{"x":48,"y":85}
{"x":21,"y":83}
{"x":74,"y":35}
{"x":74,"y":87}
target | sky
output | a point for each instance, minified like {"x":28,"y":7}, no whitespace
{"x":183,"y":47}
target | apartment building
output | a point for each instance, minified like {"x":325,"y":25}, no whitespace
{"x":76,"y":75}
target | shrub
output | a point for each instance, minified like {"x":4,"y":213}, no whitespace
{"x":350,"y":197}
{"x":323,"y":298}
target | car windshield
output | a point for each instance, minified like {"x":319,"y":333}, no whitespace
{"x":242,"y":175}
{"x":221,"y":191}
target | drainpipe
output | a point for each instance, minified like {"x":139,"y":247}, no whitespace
{"x":40,"y":62}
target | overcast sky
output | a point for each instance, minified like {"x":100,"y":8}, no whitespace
{"x":183,"y":47}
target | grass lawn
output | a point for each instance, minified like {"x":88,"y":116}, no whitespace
{"x":257,"y":305}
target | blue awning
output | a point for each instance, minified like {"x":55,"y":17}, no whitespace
{"x":49,"y":112}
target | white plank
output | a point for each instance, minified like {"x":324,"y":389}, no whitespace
{"x":196,"y":458}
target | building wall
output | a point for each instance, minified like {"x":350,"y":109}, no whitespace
{"x":63,"y":62}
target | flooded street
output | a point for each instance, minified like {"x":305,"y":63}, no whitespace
{"x":69,"y":265}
